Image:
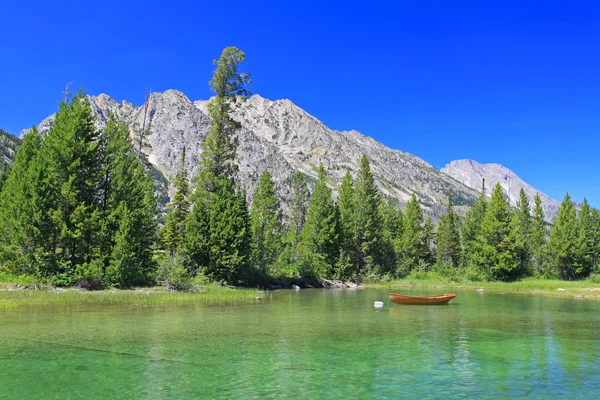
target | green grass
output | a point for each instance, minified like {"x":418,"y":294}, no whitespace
{"x":586,"y":288}
{"x":10,"y":299}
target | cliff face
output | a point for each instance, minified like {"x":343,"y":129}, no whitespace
{"x":279,"y":136}
{"x":8,"y":147}
{"x":471,"y":173}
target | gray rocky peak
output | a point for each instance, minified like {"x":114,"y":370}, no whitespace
{"x":281,"y":137}
{"x":471,"y":173}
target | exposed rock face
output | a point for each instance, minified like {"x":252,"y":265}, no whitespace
{"x":471,"y":173}
{"x":279,"y":136}
{"x":8,"y":147}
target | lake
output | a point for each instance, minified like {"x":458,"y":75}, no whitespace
{"x":307,"y":344}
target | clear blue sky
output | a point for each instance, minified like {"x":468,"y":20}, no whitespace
{"x":517,"y":84}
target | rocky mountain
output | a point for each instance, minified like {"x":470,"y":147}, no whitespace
{"x":280,"y":136}
{"x":471,"y":173}
{"x":8,"y":147}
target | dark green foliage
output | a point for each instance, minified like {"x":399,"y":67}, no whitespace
{"x":538,"y":238}
{"x":219,"y":233}
{"x":318,"y":247}
{"x":586,"y":246}
{"x":563,"y":246}
{"x":267,"y":225}
{"x":520,"y":232}
{"x":494,"y":247}
{"x":448,"y":237}
{"x":413,"y":246}
{"x":347,"y":265}
{"x":79,"y":205}
{"x":172,"y":234}
{"x":229,"y":86}
{"x":229,"y":235}
{"x":368,"y":222}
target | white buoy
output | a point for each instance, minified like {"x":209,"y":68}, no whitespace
{"x":378,"y":304}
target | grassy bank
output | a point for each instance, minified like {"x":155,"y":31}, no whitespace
{"x":558,"y":288}
{"x":13,"y":294}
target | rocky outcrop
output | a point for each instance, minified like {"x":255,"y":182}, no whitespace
{"x":280,"y":136}
{"x":8,"y":147}
{"x":471,"y":173}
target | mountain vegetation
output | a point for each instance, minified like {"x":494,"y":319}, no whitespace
{"x":78,"y":206}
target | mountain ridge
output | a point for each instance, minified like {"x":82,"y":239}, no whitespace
{"x":282,"y":137}
{"x":470,"y":173}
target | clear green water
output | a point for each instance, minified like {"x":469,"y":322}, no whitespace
{"x":307,"y":344}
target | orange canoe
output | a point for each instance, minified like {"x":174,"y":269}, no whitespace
{"x":438,"y":299}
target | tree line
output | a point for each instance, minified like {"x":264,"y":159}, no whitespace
{"x":78,"y":207}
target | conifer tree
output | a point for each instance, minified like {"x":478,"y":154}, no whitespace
{"x":412,"y":242}
{"x":368,"y":221}
{"x":219,"y":233}
{"x":174,"y":231}
{"x":347,"y":264}
{"x":318,"y":246}
{"x":20,"y":212}
{"x":448,"y":237}
{"x":472,"y":226}
{"x":128,"y":209}
{"x":494,"y":247}
{"x":538,"y":236}
{"x":72,"y":162}
{"x":219,"y":148}
{"x":391,"y":232}
{"x":520,"y":227}
{"x":428,"y":241}
{"x":564,"y":240}
{"x":229,"y":234}
{"x":596,"y":235}
{"x":266,"y":221}
{"x":586,"y":240}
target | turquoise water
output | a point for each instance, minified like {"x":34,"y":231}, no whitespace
{"x":307,"y":344}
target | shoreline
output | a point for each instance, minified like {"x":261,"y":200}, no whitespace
{"x":552,"y":288}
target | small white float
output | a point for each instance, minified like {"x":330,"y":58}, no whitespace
{"x":378,"y":304}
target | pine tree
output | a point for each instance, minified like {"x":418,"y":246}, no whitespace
{"x":229,"y":235}
{"x":318,"y":247}
{"x":472,"y":227}
{"x":564,"y":239}
{"x":586,"y":240}
{"x":392,"y":231}
{"x":448,"y":237}
{"x":346,"y":267}
{"x":428,"y":242}
{"x":300,"y":202}
{"x":267,"y":226}
{"x":538,"y":236}
{"x":413,"y":249}
{"x":219,"y":232}
{"x":20,"y":212}
{"x":71,"y":159}
{"x":495,"y":248}
{"x":596,"y":235}
{"x":173,"y":232}
{"x":219,"y":148}
{"x":520,"y":228}
{"x":368,"y":221}
{"x":128,"y":208}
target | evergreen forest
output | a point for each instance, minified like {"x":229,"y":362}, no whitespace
{"x":78,"y":207}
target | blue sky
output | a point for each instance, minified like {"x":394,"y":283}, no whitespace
{"x":516,"y":83}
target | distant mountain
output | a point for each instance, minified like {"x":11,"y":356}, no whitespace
{"x":8,"y":147}
{"x":280,"y":136}
{"x":471,"y":173}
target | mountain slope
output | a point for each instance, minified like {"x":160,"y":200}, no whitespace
{"x":8,"y":147}
{"x":471,"y":173}
{"x":279,"y":136}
